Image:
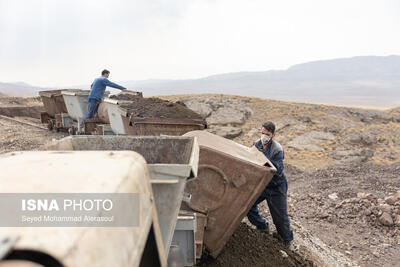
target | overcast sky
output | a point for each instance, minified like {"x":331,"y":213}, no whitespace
{"x":68,"y":42}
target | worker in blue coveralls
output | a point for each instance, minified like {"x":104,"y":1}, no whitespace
{"x":275,"y":192}
{"x":97,"y":92}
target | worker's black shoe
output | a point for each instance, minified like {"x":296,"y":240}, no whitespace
{"x":264,"y":229}
{"x":277,"y":236}
{"x":286,"y":243}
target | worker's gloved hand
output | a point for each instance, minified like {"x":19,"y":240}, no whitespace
{"x":264,"y":139}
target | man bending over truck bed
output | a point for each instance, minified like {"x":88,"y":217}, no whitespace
{"x":97,"y":92}
{"x":276,"y":191}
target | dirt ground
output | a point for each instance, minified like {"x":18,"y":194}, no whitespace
{"x":250,"y":247}
{"x":15,"y":136}
{"x":342,"y":205}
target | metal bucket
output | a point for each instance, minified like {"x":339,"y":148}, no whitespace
{"x":115,"y":115}
{"x":230,"y":179}
{"x":85,"y":172}
{"x":53,"y":102}
{"x":123,"y":124}
{"x":77,"y":103}
{"x":170,"y":160}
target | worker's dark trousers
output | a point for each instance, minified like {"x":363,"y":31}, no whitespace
{"x":93,"y":107}
{"x":276,"y":198}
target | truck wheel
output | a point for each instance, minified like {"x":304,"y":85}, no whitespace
{"x":50,"y":125}
{"x":72,"y":130}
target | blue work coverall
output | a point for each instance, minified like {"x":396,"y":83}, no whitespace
{"x":275,"y":194}
{"x":97,"y":92}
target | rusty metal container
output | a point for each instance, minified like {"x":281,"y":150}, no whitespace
{"x":124,"y":124}
{"x":103,"y":113}
{"x":53,"y":102}
{"x":170,"y":160}
{"x":154,"y":126}
{"x":230,"y":179}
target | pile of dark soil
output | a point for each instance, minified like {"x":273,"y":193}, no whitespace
{"x":250,"y":247}
{"x":158,"y":108}
{"x":127,"y":96}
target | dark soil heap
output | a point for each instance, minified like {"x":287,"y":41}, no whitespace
{"x":127,"y":96}
{"x":250,"y":247}
{"x":158,"y":108}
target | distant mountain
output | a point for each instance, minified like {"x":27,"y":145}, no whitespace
{"x":370,"y":81}
{"x":19,"y":88}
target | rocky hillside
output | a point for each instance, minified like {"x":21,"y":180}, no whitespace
{"x":314,"y":136}
{"x":342,"y":164}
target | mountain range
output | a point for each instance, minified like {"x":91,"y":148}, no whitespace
{"x":369,"y":81}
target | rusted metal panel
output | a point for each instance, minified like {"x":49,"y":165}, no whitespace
{"x":90,"y":125}
{"x":230,"y":179}
{"x":103,"y":113}
{"x":53,"y":102}
{"x":155,"y":126}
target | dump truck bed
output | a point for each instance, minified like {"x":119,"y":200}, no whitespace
{"x":53,"y":102}
{"x":230,"y":179}
{"x":123,"y":123}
